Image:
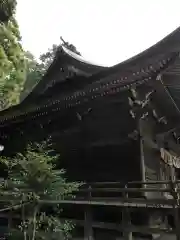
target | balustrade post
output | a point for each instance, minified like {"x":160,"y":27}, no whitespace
{"x":126,"y":220}
{"x":175,"y":194}
{"x":88,"y":229}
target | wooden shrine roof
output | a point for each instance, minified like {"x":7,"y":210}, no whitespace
{"x":136,"y":71}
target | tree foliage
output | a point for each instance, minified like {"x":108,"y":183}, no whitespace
{"x":48,"y":57}
{"x":34,"y":182}
{"x":7,"y":8}
{"x":12,"y":60}
{"x":34,"y":73}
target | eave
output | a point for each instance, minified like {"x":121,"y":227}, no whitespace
{"x":131,"y":73}
{"x":65,"y":60}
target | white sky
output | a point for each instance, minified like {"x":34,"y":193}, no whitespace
{"x":104,"y":31}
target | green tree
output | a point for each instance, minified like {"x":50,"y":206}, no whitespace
{"x":33,"y":182}
{"x":34,"y":73}
{"x":12,"y":60}
{"x":36,"y":69}
{"x":48,"y":57}
{"x":7,"y":8}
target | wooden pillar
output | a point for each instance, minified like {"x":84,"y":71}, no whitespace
{"x":176,"y":221}
{"x":176,"y":203}
{"x":142,"y":157}
{"x":142,"y":164}
{"x":126,"y":221}
{"x":88,"y":229}
{"x":150,"y":156}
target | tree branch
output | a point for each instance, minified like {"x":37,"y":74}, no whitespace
{"x":14,"y":206}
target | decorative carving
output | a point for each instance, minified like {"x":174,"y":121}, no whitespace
{"x":170,"y":158}
{"x":158,"y":78}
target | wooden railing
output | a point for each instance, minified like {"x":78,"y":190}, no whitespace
{"x":100,"y":193}
{"x":120,"y":195}
{"x":130,"y":192}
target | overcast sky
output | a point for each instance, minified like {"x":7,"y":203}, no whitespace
{"x":104,"y":31}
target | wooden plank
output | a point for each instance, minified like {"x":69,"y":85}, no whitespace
{"x":131,"y":183}
{"x":119,"y":190}
{"x":110,"y":202}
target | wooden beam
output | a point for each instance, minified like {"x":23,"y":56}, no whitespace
{"x":122,"y":190}
{"x":110,"y":202}
{"x":88,"y":226}
{"x":131,"y":183}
